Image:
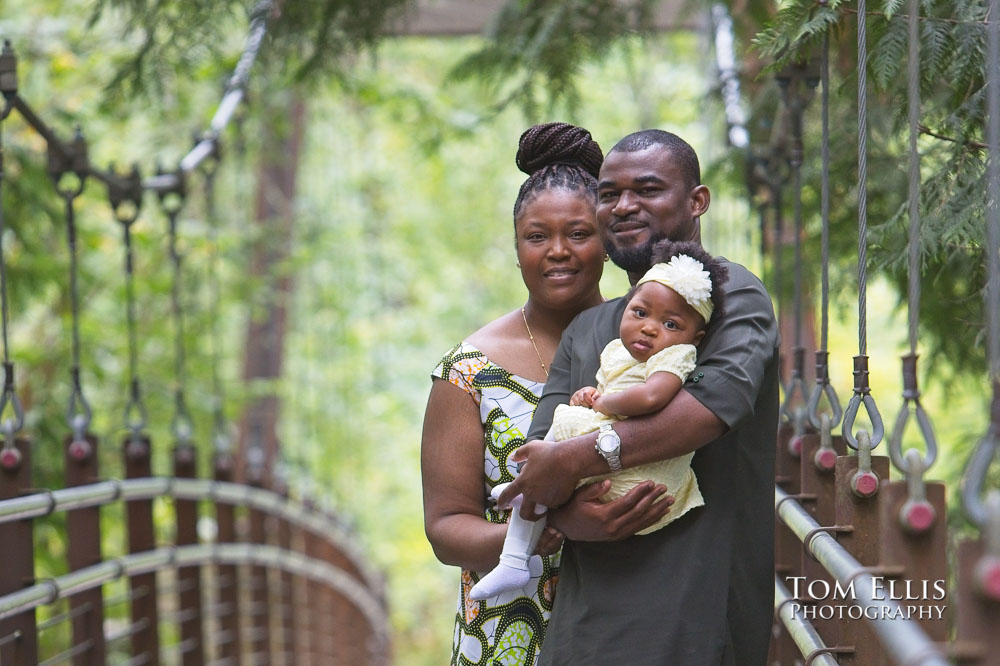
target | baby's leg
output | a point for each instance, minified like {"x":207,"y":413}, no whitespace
{"x":512,"y":571}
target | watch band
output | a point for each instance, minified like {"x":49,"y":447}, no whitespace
{"x":613,"y":457}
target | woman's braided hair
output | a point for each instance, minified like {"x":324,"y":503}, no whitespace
{"x":557,"y":155}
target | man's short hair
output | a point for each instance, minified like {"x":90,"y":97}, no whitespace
{"x":682,"y":151}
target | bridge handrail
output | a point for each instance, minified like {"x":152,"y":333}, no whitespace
{"x":45,"y":502}
{"x":801,"y":631}
{"x":903,"y":639}
{"x":51,"y":590}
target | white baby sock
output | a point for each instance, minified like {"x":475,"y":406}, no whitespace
{"x":512,"y":571}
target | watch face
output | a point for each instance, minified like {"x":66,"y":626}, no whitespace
{"x":608,"y":443}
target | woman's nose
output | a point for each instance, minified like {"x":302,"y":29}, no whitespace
{"x":558,"y":248}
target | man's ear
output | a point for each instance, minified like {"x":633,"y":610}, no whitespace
{"x":701,"y":197}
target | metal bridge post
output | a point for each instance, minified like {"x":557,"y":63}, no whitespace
{"x":787,"y":548}
{"x":83,"y":527}
{"x":860,"y":519}
{"x":289,"y":636}
{"x":977,"y":617}
{"x":921,"y":556}
{"x":260,"y":601}
{"x":141,"y":537}
{"x":228,"y":641}
{"x":18,"y":634}
{"x":188,"y":578}
{"x":818,"y":466}
{"x":317,"y":599}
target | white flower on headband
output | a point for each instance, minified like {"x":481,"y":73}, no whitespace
{"x":688,"y":277}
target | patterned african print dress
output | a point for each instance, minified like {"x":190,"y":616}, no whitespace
{"x":507,"y":629}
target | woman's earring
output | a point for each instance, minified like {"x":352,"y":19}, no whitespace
{"x":606,"y":257}
{"x":519,"y":264}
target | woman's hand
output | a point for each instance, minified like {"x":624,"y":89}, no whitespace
{"x":550,"y":542}
{"x":586,"y":518}
{"x":584,"y":397}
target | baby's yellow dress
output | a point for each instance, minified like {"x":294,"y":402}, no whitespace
{"x":619,"y":371}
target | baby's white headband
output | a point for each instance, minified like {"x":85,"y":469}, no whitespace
{"x":688,"y":277}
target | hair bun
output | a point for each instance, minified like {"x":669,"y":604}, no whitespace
{"x":558,"y":143}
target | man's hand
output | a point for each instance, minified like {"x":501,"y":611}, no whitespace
{"x":586,"y":518}
{"x":549,"y":542}
{"x":546,"y":477}
{"x":584,"y":397}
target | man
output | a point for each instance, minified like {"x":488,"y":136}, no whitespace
{"x":699,"y":591}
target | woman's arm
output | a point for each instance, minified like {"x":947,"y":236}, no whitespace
{"x":651,"y":396}
{"x":451,"y":466}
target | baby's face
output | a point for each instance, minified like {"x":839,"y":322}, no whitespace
{"x":658,"y":317}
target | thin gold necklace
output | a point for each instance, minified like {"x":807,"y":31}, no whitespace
{"x":532,"y":338}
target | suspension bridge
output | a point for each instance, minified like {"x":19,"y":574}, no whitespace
{"x":863,"y":573}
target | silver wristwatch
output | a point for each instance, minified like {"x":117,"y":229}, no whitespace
{"x":609,"y":445}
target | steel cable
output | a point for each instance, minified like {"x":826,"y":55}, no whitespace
{"x":862,"y":391}
{"x":823,"y":385}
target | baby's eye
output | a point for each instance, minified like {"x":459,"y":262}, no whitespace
{"x":670,"y":324}
{"x":639,"y":312}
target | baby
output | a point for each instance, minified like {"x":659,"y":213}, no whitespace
{"x":666,"y":316}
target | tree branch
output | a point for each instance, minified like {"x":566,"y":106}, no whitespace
{"x":978,"y":145}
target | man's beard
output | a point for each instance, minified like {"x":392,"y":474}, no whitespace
{"x":633,"y":259}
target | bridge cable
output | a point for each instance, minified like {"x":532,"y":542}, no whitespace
{"x":10,"y":456}
{"x":823,"y":385}
{"x":71,"y":160}
{"x":917,"y":514}
{"x":862,"y":391}
{"x":221,"y":436}
{"x":986,"y":515}
{"x":171,"y":202}
{"x":795,"y":101}
{"x":126,"y":202}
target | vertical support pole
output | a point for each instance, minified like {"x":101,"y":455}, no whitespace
{"x":18,"y":634}
{"x":316,"y":628}
{"x":229,"y":640}
{"x":344,"y":635}
{"x":83,"y":528}
{"x":787,"y":548}
{"x":819,"y":499}
{"x":287,"y":600}
{"x":260,"y":602}
{"x":921,"y":556}
{"x":861,"y":518}
{"x":141,"y":537}
{"x":188,"y":578}
{"x":978,"y":641}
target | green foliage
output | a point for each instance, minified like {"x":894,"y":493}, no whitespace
{"x":952,"y":116}
{"x":173,"y":39}
{"x":536,"y":49}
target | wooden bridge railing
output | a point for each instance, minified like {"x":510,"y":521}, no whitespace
{"x":317,"y":600}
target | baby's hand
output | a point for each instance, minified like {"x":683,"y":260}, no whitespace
{"x":598,"y":406}
{"x":584,"y":397}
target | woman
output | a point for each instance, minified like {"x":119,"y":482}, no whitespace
{"x":486,"y":388}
